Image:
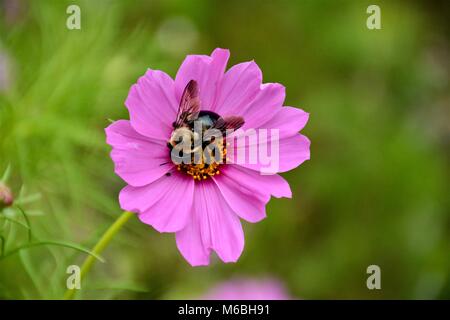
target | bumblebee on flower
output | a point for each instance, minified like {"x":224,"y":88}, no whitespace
{"x":197,"y":144}
{"x":175,"y":154}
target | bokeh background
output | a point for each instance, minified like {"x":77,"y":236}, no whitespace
{"x":376,"y":190}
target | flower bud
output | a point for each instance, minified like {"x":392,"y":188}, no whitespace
{"x":6,"y":196}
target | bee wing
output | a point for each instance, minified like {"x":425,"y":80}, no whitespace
{"x":229,"y":122}
{"x":189,"y":104}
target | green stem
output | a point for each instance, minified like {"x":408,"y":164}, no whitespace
{"x":99,"y":247}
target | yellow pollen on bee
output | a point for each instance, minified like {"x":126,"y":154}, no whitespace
{"x":202,"y":171}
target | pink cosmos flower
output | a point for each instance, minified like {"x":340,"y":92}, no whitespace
{"x":248,"y":289}
{"x":6,"y":196}
{"x":203,"y":207}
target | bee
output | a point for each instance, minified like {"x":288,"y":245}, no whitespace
{"x":190,"y":118}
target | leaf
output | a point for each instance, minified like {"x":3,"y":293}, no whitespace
{"x":27,"y":199}
{"x":27,"y":221}
{"x":31,"y":272}
{"x":2,"y":246}
{"x":54,"y":243}
{"x":7,"y":174}
{"x":14,"y":221}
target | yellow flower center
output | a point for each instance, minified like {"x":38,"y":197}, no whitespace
{"x":208,"y":166}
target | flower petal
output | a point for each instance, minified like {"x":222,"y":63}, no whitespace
{"x":247,"y":191}
{"x":190,"y":242}
{"x":293,"y":152}
{"x":152,"y":105}
{"x":207,"y":71}
{"x":213,"y":226}
{"x":165,"y":204}
{"x":266,"y":151}
{"x":288,"y":120}
{"x":267,"y":185}
{"x":238,"y":88}
{"x":137,"y":159}
{"x":266,"y":104}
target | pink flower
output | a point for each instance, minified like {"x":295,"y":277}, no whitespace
{"x":203,"y":207}
{"x":6,"y":196}
{"x":248,"y":289}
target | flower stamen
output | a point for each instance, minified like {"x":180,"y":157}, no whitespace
{"x":203,"y":170}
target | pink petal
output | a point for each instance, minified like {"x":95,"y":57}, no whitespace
{"x":165,"y":204}
{"x":239,"y":86}
{"x":152,"y":105}
{"x":257,"y":184}
{"x":266,"y":104}
{"x":292,"y":151}
{"x":190,"y":243}
{"x":207,"y":71}
{"x":213,"y":226}
{"x":137,"y":159}
{"x":288,"y":120}
{"x":248,"y":289}
{"x":247,"y":191}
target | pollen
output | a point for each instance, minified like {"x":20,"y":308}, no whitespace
{"x":204,"y":170}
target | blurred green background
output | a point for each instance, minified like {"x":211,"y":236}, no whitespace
{"x":376,"y":190}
